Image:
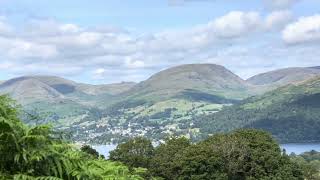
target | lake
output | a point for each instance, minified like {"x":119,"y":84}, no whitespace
{"x":299,"y":148}
{"x":296,"y":148}
{"x":105,"y":149}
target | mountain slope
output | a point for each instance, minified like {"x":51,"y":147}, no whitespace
{"x":170,"y":100}
{"x":27,"y":89}
{"x":290,"y":113}
{"x":112,"y":89}
{"x":182,"y":88}
{"x":66,"y":86}
{"x":60,"y":101}
{"x":283,"y":77}
{"x":206,"y":78}
{"x":34,"y":88}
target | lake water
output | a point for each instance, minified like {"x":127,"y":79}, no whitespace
{"x":297,"y":148}
{"x":105,"y":149}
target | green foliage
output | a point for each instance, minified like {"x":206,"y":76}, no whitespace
{"x":290,"y":113}
{"x":164,"y":159}
{"x":136,"y":152}
{"x":89,"y":150}
{"x":29,"y":153}
{"x":102,"y":169}
{"x":309,"y":162}
{"x":311,"y":156}
{"x":58,"y":113}
{"x":198,"y":96}
{"x":242,"y":154}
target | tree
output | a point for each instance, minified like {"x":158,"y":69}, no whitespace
{"x":309,"y":163}
{"x":243,"y":154}
{"x":165,"y":156}
{"x":89,"y":150}
{"x":136,"y":152}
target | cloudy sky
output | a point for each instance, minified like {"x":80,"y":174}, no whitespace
{"x":106,"y":41}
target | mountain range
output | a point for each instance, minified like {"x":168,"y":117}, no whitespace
{"x":28,"y":89}
{"x":190,"y":100}
{"x":291,"y":113}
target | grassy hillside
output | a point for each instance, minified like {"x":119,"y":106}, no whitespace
{"x":167,"y":103}
{"x":285,"y":76}
{"x":59,"y":101}
{"x":60,"y":114}
{"x":290,"y":113}
{"x":207,"y":78}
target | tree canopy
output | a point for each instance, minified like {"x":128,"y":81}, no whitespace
{"x":242,"y":154}
{"x":136,"y":152}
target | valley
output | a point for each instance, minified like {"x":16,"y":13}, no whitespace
{"x":193,"y":100}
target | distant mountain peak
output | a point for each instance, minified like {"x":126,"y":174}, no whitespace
{"x":284,"y":76}
{"x":27,"y":88}
{"x":315,"y":67}
{"x":207,"y":78}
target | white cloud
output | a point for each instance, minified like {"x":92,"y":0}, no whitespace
{"x":278,"y":19}
{"x":280,"y":4}
{"x":17,"y":49}
{"x":49,"y":27}
{"x":88,"y":38}
{"x":83,"y":39}
{"x":6,"y":65}
{"x":5,"y":28}
{"x":99,"y":73}
{"x":69,"y":28}
{"x":306,"y":29}
{"x":236,"y":23}
{"x":45,"y":68}
{"x":130,"y":63}
{"x":23,"y":49}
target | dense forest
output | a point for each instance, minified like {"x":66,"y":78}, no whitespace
{"x":242,"y":154}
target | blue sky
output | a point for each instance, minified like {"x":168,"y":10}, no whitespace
{"x":106,"y":41}
{"x":141,"y":14}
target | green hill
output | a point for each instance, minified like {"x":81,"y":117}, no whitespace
{"x":285,"y":76}
{"x":291,"y":113}
{"x":29,"y":89}
{"x":59,"y":101}
{"x":167,"y":102}
{"x":207,"y":78}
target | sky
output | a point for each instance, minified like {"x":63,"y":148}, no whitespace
{"x":109,"y":41}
